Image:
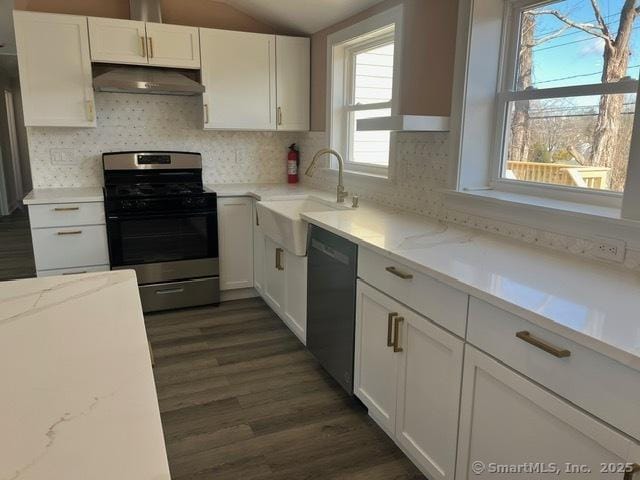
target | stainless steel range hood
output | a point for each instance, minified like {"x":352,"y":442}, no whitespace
{"x":150,"y":80}
{"x":146,"y":80}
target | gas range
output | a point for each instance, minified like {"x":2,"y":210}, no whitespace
{"x":162,"y":222}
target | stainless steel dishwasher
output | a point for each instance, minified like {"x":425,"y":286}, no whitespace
{"x":331,"y":303}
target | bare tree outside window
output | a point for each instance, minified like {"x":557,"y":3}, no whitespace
{"x":581,"y":140}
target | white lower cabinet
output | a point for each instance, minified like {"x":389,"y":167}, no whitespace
{"x":235,"y":242}
{"x":507,"y":421}
{"x":408,"y":373}
{"x":284,"y":286}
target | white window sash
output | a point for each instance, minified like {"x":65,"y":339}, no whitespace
{"x":506,"y":95}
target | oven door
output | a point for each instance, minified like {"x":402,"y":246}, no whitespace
{"x":165,"y":247}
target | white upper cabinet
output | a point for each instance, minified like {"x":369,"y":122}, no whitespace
{"x":173,"y":46}
{"x":293,"y":83}
{"x":141,"y":43}
{"x":238,"y":72}
{"x":117,"y":41}
{"x":55,"y":70}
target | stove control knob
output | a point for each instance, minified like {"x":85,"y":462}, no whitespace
{"x":127,"y":204}
{"x":187,"y":202}
{"x":200,"y":202}
{"x":141,"y":204}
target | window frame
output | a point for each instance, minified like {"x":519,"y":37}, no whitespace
{"x":506,"y":93}
{"x":353,"y":49}
{"x":382,"y":28}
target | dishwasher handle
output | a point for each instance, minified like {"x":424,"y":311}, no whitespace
{"x":330,"y":252}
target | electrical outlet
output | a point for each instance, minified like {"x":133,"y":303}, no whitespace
{"x":62,"y":156}
{"x":609,"y":249}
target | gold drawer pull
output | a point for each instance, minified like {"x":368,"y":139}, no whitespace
{"x":542,"y":345}
{"x":72,"y":232}
{"x":143,"y":47}
{"x":631,"y":471}
{"x":390,"y":328}
{"x":150,"y":47}
{"x":396,"y":334}
{"x":399,"y":273}
{"x":279,"y":253}
{"x":66,"y":209}
{"x":75,"y":273}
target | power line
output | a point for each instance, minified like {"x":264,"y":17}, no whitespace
{"x":573,"y":42}
{"x":578,"y":76}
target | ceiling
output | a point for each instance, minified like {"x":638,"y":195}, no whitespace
{"x":301,"y":16}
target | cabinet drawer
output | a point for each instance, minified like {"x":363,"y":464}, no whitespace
{"x":442,"y":304}
{"x":599,"y":385}
{"x":66,"y":214}
{"x":70,"y":247}
{"x":73,"y":271}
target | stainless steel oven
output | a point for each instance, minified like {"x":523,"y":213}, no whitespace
{"x":162,"y":223}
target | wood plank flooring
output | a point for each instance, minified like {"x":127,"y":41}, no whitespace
{"x":241,"y":398}
{"x":16,"y":251}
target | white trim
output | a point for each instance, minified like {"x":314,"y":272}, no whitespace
{"x":405,"y":123}
{"x":336,"y":107}
{"x":551,"y":215}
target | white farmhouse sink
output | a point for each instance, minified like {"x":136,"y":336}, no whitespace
{"x":280,"y":220}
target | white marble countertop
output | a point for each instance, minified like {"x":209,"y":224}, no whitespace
{"x":40,"y":196}
{"x":590,"y":303}
{"x":78,"y":400}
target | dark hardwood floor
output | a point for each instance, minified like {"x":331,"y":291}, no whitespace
{"x":241,"y":398}
{"x":16,"y":251}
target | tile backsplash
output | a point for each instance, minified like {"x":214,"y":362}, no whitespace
{"x":71,"y":157}
{"x":422,"y":164}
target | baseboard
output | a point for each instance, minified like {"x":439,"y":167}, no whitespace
{"x":239,"y":294}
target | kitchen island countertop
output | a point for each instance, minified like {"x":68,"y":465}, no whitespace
{"x":79,"y":399}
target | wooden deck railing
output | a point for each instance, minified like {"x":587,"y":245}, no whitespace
{"x":561,"y":174}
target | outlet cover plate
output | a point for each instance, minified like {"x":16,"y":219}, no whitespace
{"x":611,"y":249}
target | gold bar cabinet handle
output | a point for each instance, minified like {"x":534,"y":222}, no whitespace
{"x":66,"y":209}
{"x":279,"y":116}
{"x":72,"y":232}
{"x":390,"y":328}
{"x":631,"y":471}
{"x":150,"y":46}
{"x":542,"y":345}
{"x":91,"y":116}
{"x":396,"y":334}
{"x":399,"y":273}
{"x":143,"y":47}
{"x":279,"y":253}
{"x":74,"y":273}
{"x":206,"y":114}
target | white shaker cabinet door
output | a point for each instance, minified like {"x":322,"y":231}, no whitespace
{"x":293,"y":82}
{"x":115,"y":40}
{"x":506,"y":420}
{"x":294,"y":313}
{"x":55,"y":69}
{"x":258,"y":255}
{"x":235,"y":227}
{"x":175,"y":46}
{"x":429,"y":383}
{"x":274,"y":281}
{"x":238,"y":73}
{"x":376,"y":363}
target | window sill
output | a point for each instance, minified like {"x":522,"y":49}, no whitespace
{"x":558,"y":216}
{"x":357,"y":175}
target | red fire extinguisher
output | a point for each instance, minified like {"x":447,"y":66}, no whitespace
{"x":293,"y":162}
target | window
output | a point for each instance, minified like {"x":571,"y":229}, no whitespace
{"x":545,"y":104}
{"x":370,"y":87}
{"x":362,"y":64}
{"x":569,"y":101}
